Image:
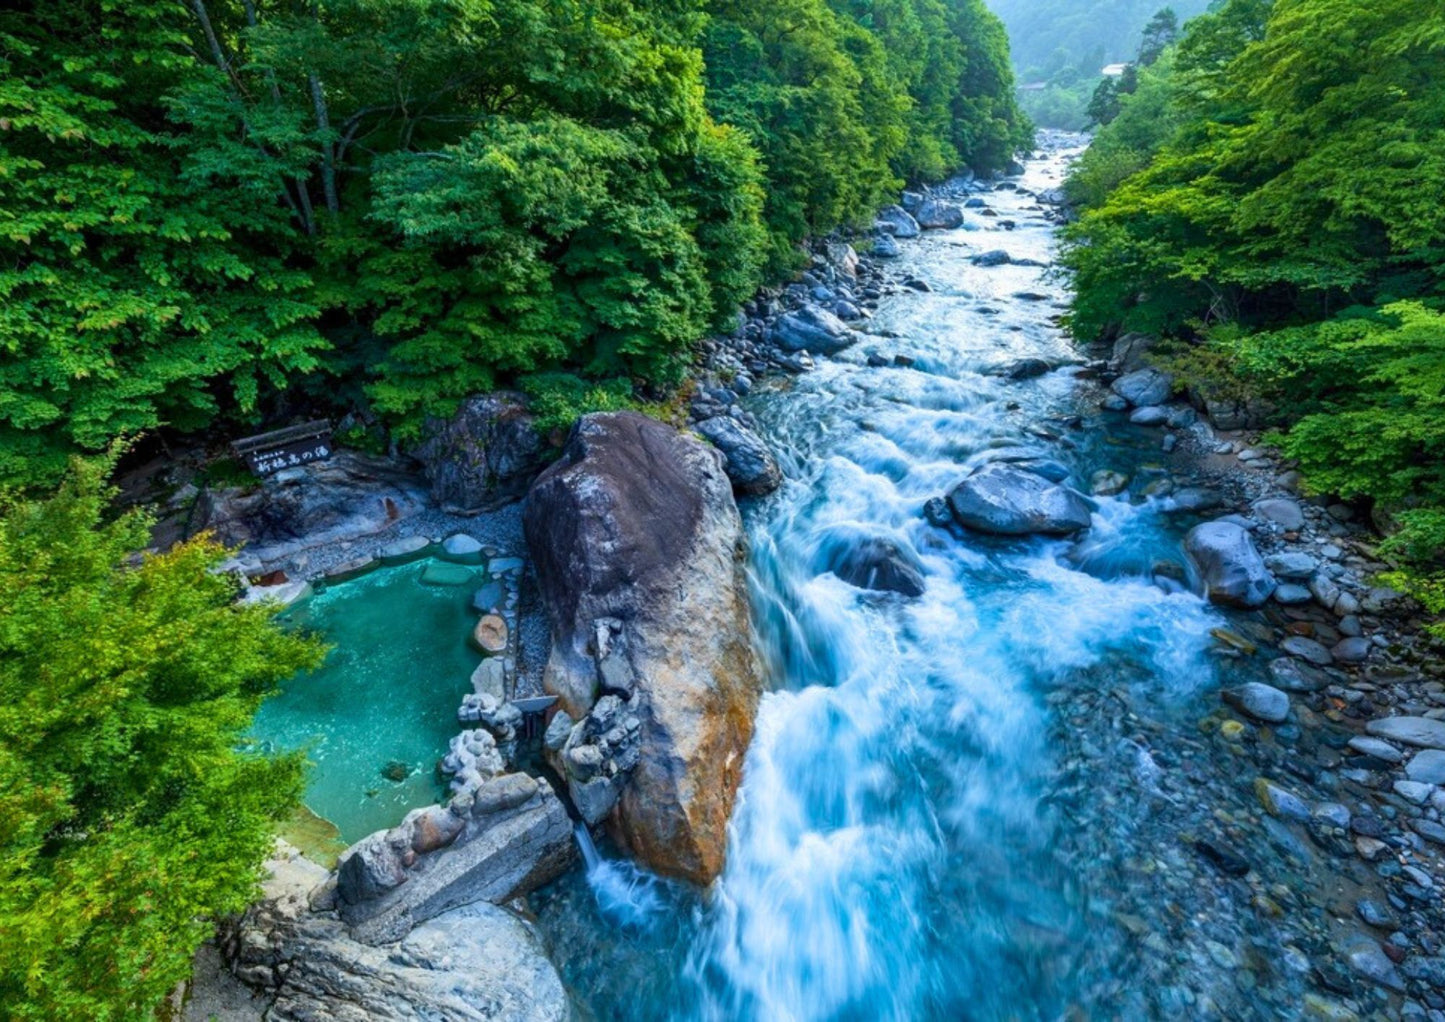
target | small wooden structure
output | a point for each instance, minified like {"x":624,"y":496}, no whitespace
{"x":270,"y":452}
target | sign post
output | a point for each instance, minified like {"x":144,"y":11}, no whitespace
{"x":267,"y":453}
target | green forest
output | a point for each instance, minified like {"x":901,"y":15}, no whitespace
{"x":1268,"y":200}
{"x":226,"y":212}
{"x":1060,"y":47}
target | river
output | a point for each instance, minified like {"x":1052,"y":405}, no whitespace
{"x":966,"y":805}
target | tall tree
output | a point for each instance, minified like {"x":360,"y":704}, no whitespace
{"x":128,"y":820}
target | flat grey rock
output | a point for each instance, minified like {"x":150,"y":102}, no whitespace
{"x":1282,"y":512}
{"x":1307,"y":649}
{"x":1427,"y":766}
{"x":1422,"y":732}
{"x":1262,"y":702}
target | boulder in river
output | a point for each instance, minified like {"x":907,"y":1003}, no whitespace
{"x":898,"y":222}
{"x":484,"y":456}
{"x":747,"y":459}
{"x":935,"y":214}
{"x":1230,"y":567}
{"x":884,"y":247}
{"x":636,"y":525}
{"x":812,"y":328}
{"x":872,"y":562}
{"x":1006,"y":500}
{"x":993,"y":257}
{"x":1144,"y":387}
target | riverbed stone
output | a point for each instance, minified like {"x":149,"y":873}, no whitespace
{"x":936,"y":214}
{"x":460,"y":545}
{"x":1144,"y":387}
{"x":637,"y":523}
{"x":1376,"y":747}
{"x":813,"y":329}
{"x":1416,"y":792}
{"x":898,"y":222}
{"x":993,"y":257}
{"x":1005,"y":500}
{"x":1427,"y":766}
{"x":1292,"y":595}
{"x":1422,"y":732}
{"x":1280,"y":801}
{"x":1307,"y":649}
{"x":1260,"y":701}
{"x":399,"y":551}
{"x":488,"y":598}
{"x":1351,"y":650}
{"x":884,"y":247}
{"x":1230,"y":567}
{"x":1281,"y":511}
{"x":1292,"y":675}
{"x":1292,"y":565}
{"x":1365,"y":956}
{"x":1107,"y":483}
{"x":1149,"y":415}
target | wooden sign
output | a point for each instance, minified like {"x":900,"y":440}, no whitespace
{"x":267,"y":453}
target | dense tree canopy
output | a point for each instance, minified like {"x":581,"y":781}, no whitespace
{"x":128,"y":821}
{"x":206,"y":207}
{"x":1269,"y":198}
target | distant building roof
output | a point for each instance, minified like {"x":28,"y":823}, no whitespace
{"x":1113,"y":70}
{"x":1033,"y":86}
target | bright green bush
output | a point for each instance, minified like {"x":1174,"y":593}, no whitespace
{"x":128,"y":820}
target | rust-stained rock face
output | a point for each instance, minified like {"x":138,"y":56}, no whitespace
{"x":638,"y":547}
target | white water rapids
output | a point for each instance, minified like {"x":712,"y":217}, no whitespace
{"x":894,"y":851}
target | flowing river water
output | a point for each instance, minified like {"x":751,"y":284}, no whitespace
{"x":952,"y":807}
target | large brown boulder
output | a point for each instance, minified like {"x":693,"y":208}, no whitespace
{"x":639,"y":548}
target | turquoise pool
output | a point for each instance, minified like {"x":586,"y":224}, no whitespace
{"x":376,"y":717}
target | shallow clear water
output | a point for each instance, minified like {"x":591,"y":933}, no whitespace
{"x":386,"y":695}
{"x":949,"y":802}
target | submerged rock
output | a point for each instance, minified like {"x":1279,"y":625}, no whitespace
{"x":636,"y":525}
{"x":993,"y":257}
{"x":873,"y":562}
{"x":1007,"y":500}
{"x":1260,"y":701}
{"x":1230,"y":567}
